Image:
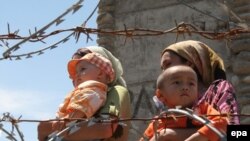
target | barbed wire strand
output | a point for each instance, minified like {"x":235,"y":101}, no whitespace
{"x":91,"y":14}
{"x":180,"y":28}
{"x":57,"y":20}
{"x":119,"y":120}
{"x":83,"y":25}
{"x":169,"y":114}
{"x":10,"y":135}
{"x":10,"y":119}
{"x":40,"y":37}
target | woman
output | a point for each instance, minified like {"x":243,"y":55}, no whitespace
{"x":117,"y":106}
{"x":213,"y":86}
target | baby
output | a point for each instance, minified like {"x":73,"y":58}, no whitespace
{"x":90,"y":75}
{"x":177,"y":86}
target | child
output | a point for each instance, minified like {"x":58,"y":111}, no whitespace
{"x":177,"y":86}
{"x":90,"y":75}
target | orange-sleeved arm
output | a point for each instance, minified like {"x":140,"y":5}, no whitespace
{"x":91,"y":95}
{"x":165,"y":123}
{"x":218,"y":122}
{"x":84,"y":101}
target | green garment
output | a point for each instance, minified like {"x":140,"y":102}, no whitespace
{"x":118,"y":104}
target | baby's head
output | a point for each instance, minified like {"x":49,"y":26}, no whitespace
{"x":177,"y":86}
{"x":91,"y":66}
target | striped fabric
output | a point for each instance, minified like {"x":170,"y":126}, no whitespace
{"x":221,"y":95}
{"x":102,"y":63}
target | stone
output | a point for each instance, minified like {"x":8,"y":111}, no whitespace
{"x":105,"y":18}
{"x":245,"y":109}
{"x":246,"y":79}
{"x":240,"y":36}
{"x":244,"y":99}
{"x":106,"y":3}
{"x":235,"y":80}
{"x":238,"y":3}
{"x":106,"y":36}
{"x":106,"y":26}
{"x":241,"y":66}
{"x":243,"y":89}
{"x":240,"y":45}
{"x":105,"y":41}
{"x":244,"y":55}
{"x":245,"y":121}
{"x":245,"y":16}
{"x":106,"y":9}
{"x":242,"y":9}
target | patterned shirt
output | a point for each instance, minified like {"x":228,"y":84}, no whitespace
{"x":221,"y":95}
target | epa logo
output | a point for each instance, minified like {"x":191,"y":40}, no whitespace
{"x":238,"y":134}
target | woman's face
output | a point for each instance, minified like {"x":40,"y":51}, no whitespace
{"x":169,"y":59}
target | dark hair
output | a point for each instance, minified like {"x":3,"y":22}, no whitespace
{"x":183,"y":60}
{"x":80,"y":53}
{"x":219,"y":74}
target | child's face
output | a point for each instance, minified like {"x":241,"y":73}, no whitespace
{"x":179,"y":87}
{"x":85,"y":71}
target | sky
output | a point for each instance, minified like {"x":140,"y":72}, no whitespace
{"x":33,"y":88}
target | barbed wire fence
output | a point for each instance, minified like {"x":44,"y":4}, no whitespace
{"x":39,"y":36}
{"x":74,"y":124}
{"x":181,"y":28}
{"x":234,"y":30}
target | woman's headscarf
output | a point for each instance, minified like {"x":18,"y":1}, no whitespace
{"x":201,"y":56}
{"x":116,"y":64}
